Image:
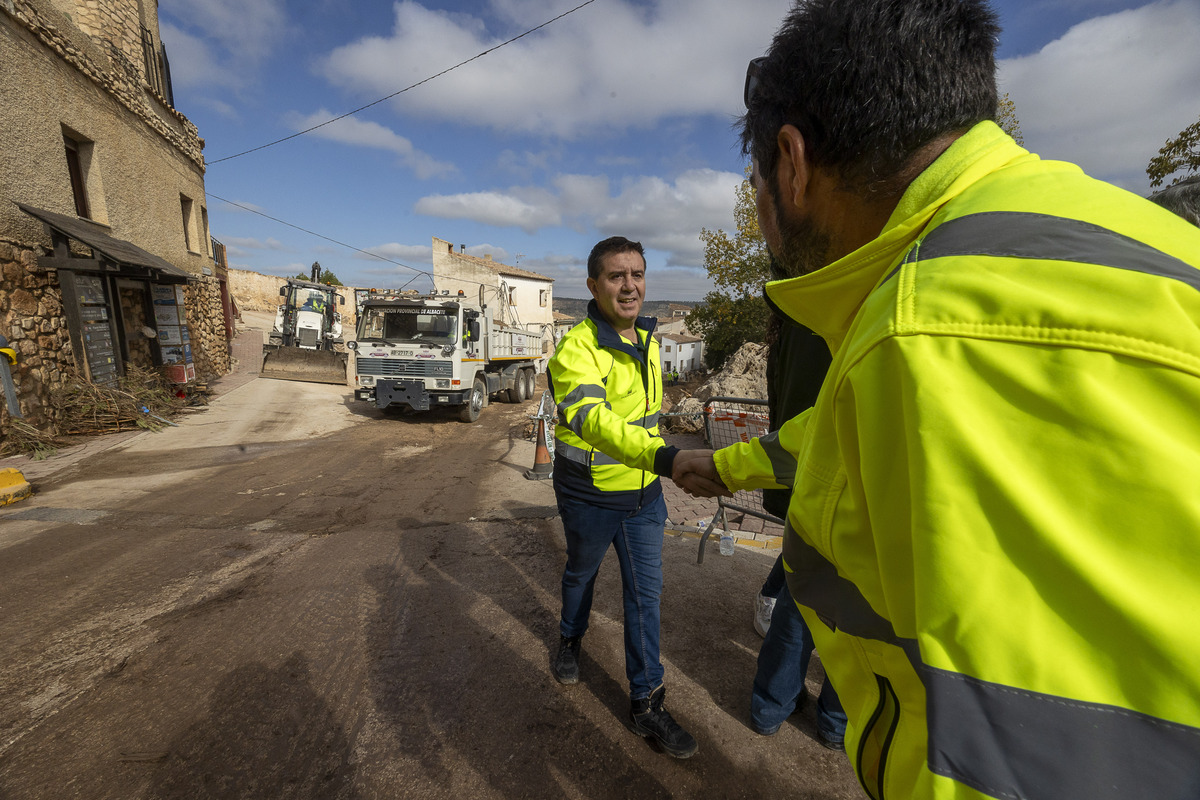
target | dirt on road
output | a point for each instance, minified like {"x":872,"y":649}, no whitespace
{"x":293,"y":595}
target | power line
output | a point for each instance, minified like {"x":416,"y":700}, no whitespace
{"x":402,"y":91}
{"x":419,"y":272}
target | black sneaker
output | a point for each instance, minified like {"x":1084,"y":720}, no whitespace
{"x":648,"y":719}
{"x":566,"y":663}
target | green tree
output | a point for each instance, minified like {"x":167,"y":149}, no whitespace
{"x":738,"y":265}
{"x":1180,"y":153}
{"x":1006,"y":118}
{"x":326,"y":277}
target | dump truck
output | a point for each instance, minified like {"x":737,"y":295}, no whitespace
{"x":417,"y":353}
{"x":308,"y":330}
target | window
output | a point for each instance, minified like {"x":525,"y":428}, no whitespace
{"x":78,"y":154}
{"x":512,"y":295}
{"x":185,"y":205}
{"x":204,"y":237}
{"x":668,"y":348}
{"x":542,"y":295}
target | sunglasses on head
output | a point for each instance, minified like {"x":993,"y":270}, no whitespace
{"x":752,"y":70}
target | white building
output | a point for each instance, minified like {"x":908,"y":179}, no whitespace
{"x":518,"y":298}
{"x":680,"y":352}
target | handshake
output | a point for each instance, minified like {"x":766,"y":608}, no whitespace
{"x":695,"y":472}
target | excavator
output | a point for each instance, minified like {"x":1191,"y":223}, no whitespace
{"x":308,"y":328}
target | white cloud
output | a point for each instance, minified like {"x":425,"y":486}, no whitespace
{"x":1111,"y":91}
{"x":412,"y":254}
{"x":491,"y":208}
{"x":353,"y":131}
{"x":220,"y":43}
{"x":607,"y":66}
{"x":663,"y":216}
{"x":243,"y":243}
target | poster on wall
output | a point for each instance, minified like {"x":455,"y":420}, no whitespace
{"x":95,"y":330}
{"x":170,"y":318}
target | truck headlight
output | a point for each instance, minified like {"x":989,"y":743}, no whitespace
{"x":443,"y":383}
{"x":366,"y":380}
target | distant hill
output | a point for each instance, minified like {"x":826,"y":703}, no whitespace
{"x":577,"y":309}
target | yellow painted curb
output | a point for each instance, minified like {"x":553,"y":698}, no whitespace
{"x":13,"y":486}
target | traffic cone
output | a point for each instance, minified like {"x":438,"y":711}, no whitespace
{"x":543,"y":468}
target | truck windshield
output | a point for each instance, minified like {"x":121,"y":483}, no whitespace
{"x":310,"y":300}
{"x":434,"y":325}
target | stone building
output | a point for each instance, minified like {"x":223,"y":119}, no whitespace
{"x":518,"y":297}
{"x":105,"y":252}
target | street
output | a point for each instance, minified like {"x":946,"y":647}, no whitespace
{"x":294,"y":595}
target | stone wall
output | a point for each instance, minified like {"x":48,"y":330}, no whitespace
{"x":31,"y":317}
{"x":206,"y":325}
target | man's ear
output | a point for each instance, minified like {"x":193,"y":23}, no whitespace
{"x":794,"y":171}
{"x":591,"y":285}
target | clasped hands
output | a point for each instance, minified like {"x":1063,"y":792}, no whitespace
{"x":695,"y":472}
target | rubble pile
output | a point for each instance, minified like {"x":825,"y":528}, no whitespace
{"x":144,"y":400}
{"x":744,"y":375}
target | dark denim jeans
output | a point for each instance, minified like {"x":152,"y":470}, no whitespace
{"x":782,"y":666}
{"x":637,"y":537}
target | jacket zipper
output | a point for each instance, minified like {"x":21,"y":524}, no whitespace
{"x":878,"y":736}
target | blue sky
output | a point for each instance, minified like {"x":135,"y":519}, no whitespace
{"x":614,"y":120}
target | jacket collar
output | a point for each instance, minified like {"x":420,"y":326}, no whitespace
{"x":828,"y":300}
{"x":607,"y":336}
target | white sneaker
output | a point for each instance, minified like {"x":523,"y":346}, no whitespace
{"x":763,"y":608}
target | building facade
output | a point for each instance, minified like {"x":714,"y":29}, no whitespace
{"x":518,"y":298}
{"x":105,"y":251}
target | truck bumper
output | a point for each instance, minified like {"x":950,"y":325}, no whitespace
{"x":412,"y":394}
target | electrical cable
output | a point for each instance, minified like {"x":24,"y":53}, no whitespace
{"x":419,"y":272}
{"x":402,"y":91}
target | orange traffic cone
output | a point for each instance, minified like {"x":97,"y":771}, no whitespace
{"x":543,"y":468}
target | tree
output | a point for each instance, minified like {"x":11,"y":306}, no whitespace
{"x":326,"y":277}
{"x":1006,"y":118}
{"x":735,"y":312}
{"x":1180,"y":153}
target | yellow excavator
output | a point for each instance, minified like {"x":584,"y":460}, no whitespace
{"x":308,"y":329}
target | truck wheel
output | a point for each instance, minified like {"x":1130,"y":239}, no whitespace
{"x":513,"y":395}
{"x":470,"y":410}
{"x":525,"y":381}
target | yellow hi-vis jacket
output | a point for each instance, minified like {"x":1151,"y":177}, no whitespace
{"x":609,"y":396}
{"x":994,"y":530}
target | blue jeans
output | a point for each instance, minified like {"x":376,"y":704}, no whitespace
{"x":638,"y":539}
{"x":773,"y":585}
{"x":782,"y":666}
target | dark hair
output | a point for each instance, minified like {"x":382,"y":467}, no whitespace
{"x":614,"y":244}
{"x":1182,"y":198}
{"x":868,"y":83}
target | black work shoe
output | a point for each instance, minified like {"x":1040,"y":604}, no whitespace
{"x":566,"y":663}
{"x":648,"y":719}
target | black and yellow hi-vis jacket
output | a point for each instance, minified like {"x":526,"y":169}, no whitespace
{"x":609,"y":395}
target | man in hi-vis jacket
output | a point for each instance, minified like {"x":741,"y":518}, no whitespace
{"x":607,"y":384}
{"x":994,"y":522}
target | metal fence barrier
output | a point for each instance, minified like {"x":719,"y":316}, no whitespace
{"x":729,"y":420}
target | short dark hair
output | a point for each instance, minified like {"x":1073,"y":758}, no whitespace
{"x":868,"y":83}
{"x":1182,"y":198}
{"x":613,"y":244}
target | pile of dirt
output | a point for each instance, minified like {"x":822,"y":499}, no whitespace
{"x":744,"y":375}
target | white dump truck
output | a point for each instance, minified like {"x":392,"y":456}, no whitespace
{"x":420,"y":352}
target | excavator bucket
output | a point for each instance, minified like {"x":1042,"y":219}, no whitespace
{"x":299,"y":364}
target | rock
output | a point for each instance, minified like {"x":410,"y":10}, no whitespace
{"x":744,"y":375}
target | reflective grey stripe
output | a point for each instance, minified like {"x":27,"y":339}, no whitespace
{"x":648,"y":422}
{"x":783,"y":463}
{"x":1020,"y":234}
{"x":571,"y":452}
{"x":814,"y":582}
{"x":582,"y":456}
{"x":1008,"y":742}
{"x":578,"y":393}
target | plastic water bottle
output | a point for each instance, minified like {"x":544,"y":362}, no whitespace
{"x":726,"y":545}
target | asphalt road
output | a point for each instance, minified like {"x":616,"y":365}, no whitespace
{"x":291,"y":595}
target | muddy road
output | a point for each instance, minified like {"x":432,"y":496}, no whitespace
{"x":289,"y":596}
